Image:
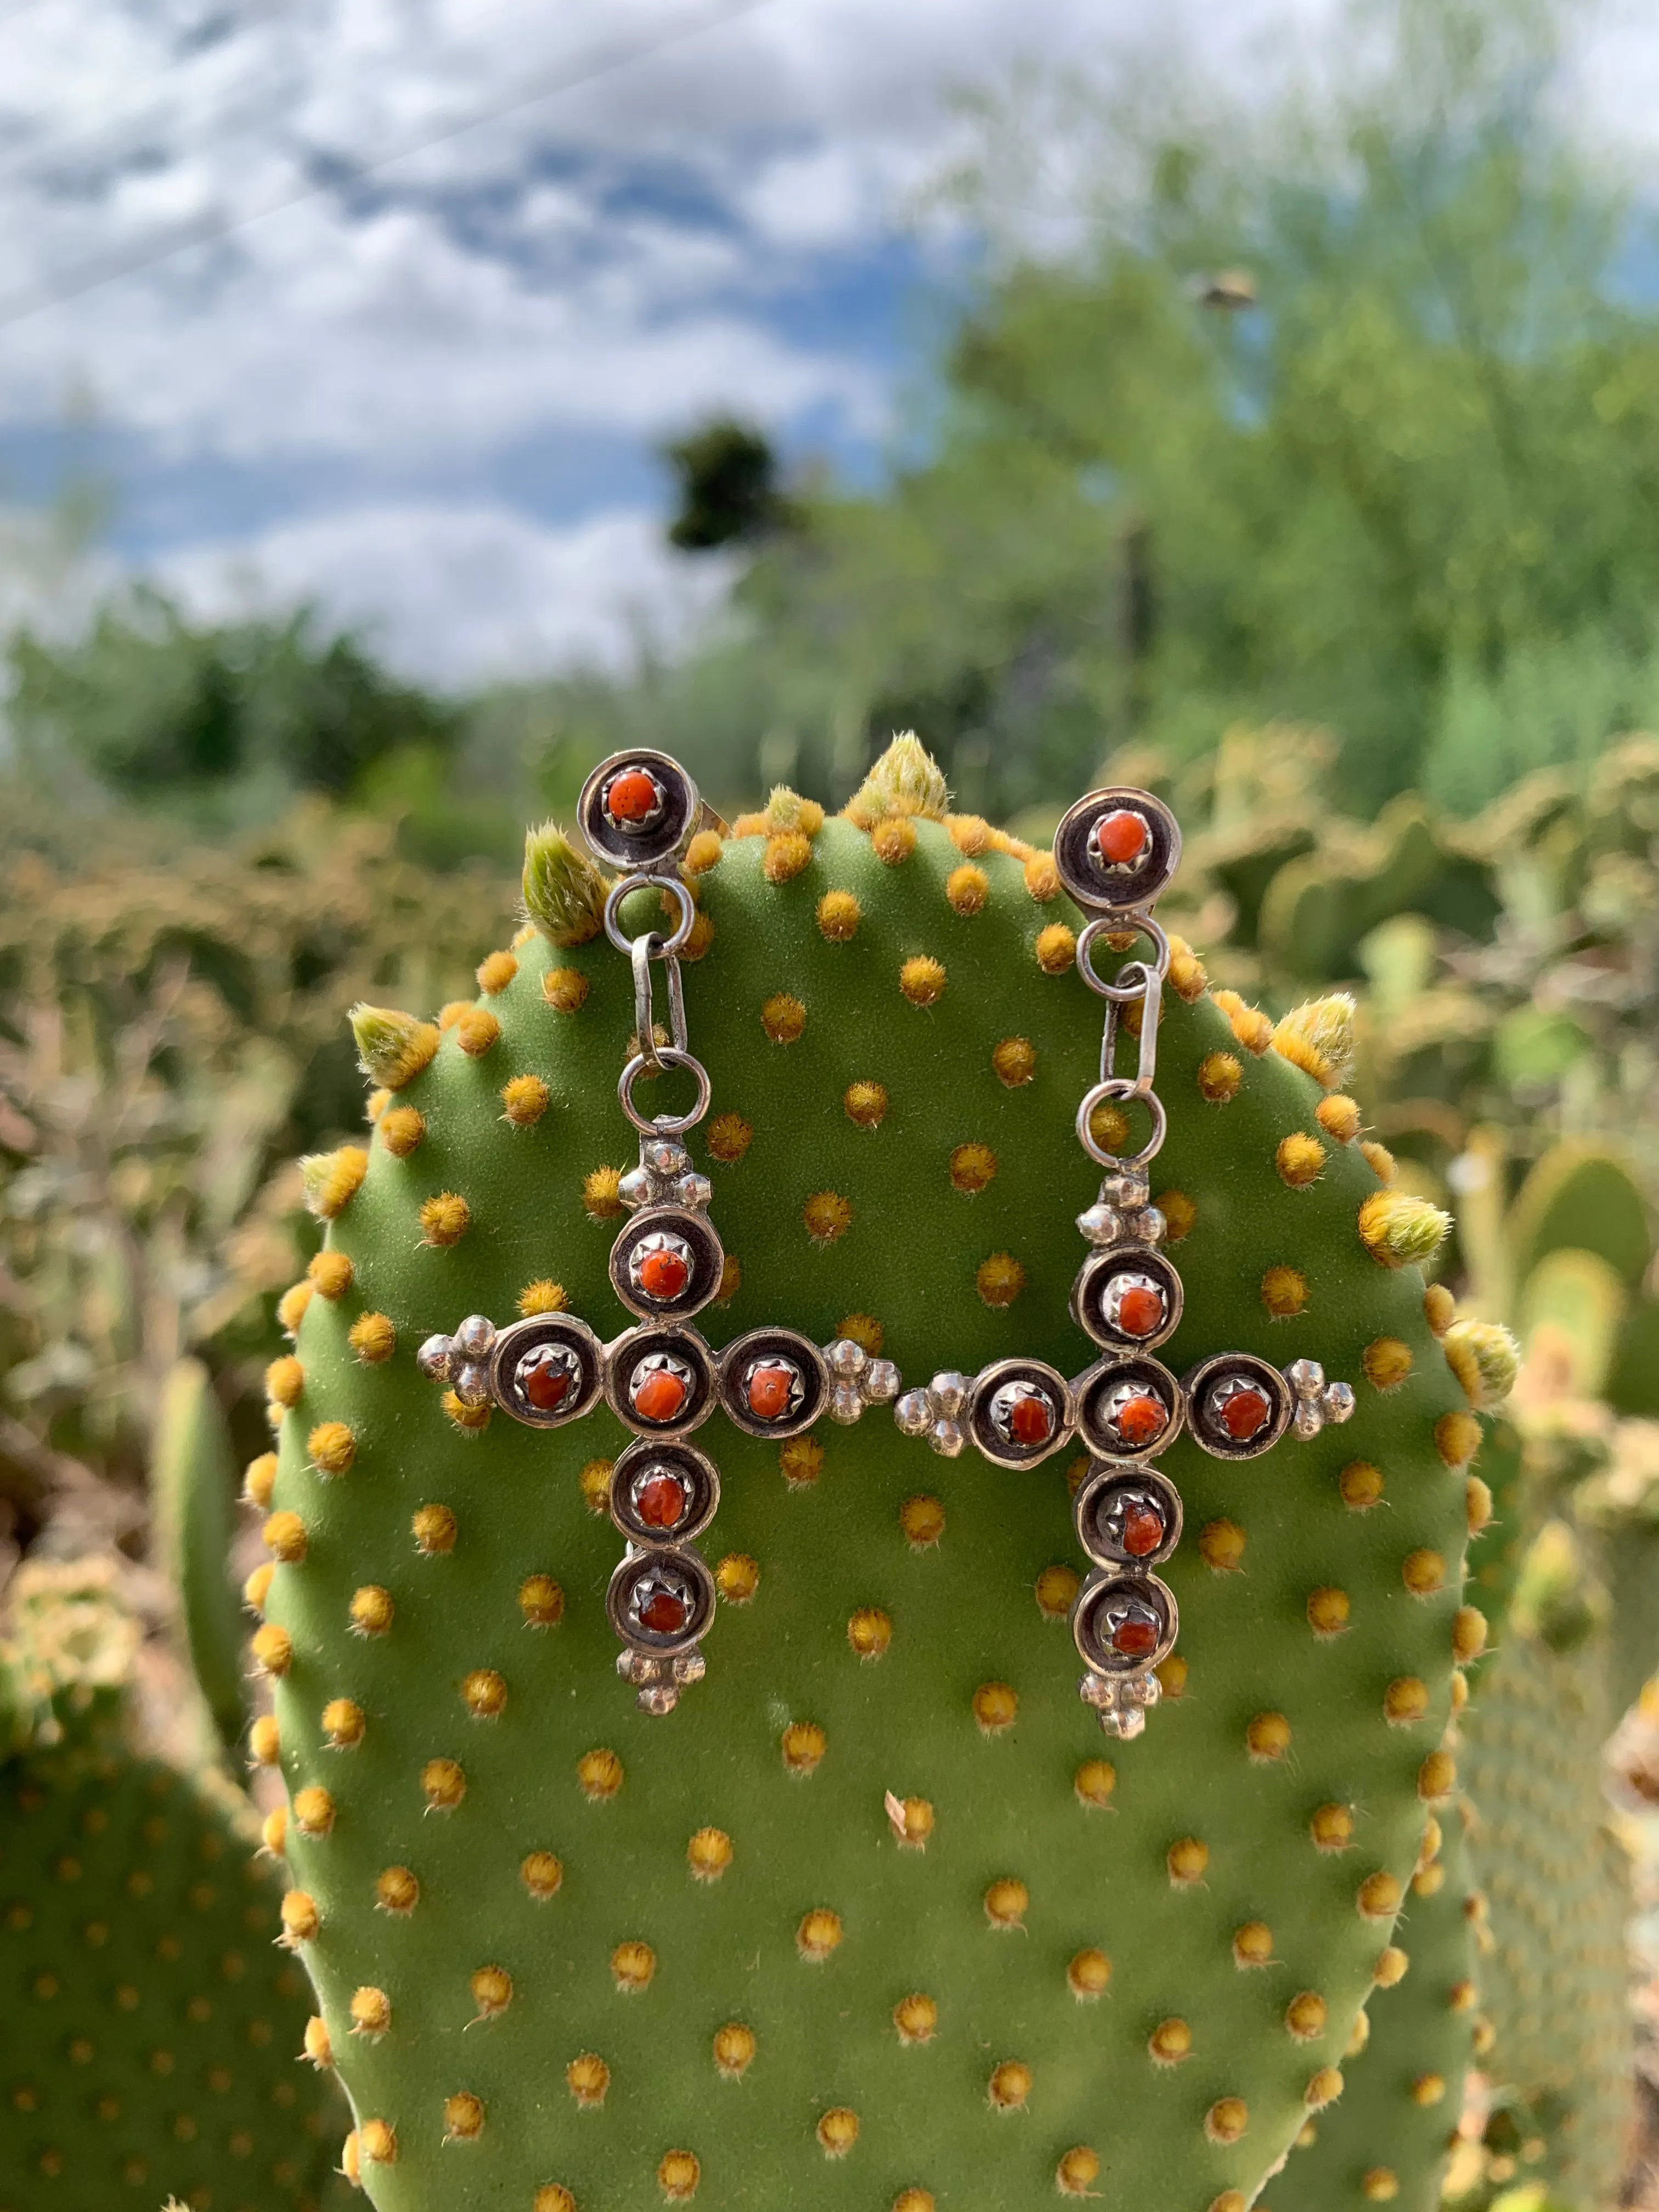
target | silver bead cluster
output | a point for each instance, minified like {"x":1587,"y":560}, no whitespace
{"x":462,"y":1360}
{"x":857,"y":1379}
{"x":936,"y":1411}
{"x":1122,"y":1214}
{"x":1317,"y":1402}
{"x":665,"y":1176}
{"x":1123,"y":1701}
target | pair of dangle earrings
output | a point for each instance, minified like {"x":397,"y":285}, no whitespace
{"x":1114,"y":851}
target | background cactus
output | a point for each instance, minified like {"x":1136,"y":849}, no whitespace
{"x":559,"y":1946}
{"x":151,"y":2024}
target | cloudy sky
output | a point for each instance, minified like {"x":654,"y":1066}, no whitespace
{"x":389,"y":302}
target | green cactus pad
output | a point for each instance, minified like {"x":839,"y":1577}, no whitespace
{"x":1553,"y":1978}
{"x":1582,"y":1197}
{"x":1131,"y":1866}
{"x":192,"y":1490}
{"x":150,"y":2024}
{"x":1388,"y":2139}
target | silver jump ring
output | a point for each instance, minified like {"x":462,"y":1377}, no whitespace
{"x":1119,"y":1086}
{"x":666,"y":1125}
{"x":666,"y":947}
{"x":1111,"y":924}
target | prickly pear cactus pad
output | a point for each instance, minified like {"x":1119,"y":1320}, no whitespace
{"x":1390,"y":2137}
{"x":151,"y":2025}
{"x":878,"y":1917}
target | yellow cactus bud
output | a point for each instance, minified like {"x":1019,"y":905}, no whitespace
{"x":1319,"y":1037}
{"x":373,"y":1338}
{"x":703,"y":853}
{"x":392,"y":1047}
{"x":734,"y":2049}
{"x":588,"y":2078}
{"x":598,"y":1776}
{"x":1009,"y":2086}
{"x":916,"y":2019}
{"x":1300,"y":1160}
{"x":1187,"y":1862}
{"x":818,"y":1935}
{"x":1306,"y":2016}
{"x":1400,"y":1230}
{"x":1457,"y":1438}
{"x":906,"y":779}
{"x":999,"y":1280}
{"x":1227,"y":2120}
{"x":1219,"y":1078}
{"x":523,"y":1101}
{"x":1285,"y":1292}
{"x":564,"y":893}
{"x":1056,"y":949}
{"x":1485,"y":1359}
{"x":1014,"y":1061}
{"x":729,"y":1138}
{"x":445,"y":1218}
{"x":967,"y":888}
{"x":1386,"y":1361}
{"x":922,"y":980}
{"x":291,"y":1307}
{"x":1338,"y":1117}
{"x":828,"y":1217}
{"x":783,"y":1018}
{"x":331,"y":1448}
{"x":839,"y":914}
{"x":565,"y":989}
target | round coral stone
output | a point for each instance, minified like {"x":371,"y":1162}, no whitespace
{"x":633,"y":796}
{"x":656,"y":1395}
{"x":1143,"y":1529}
{"x":1139,"y":1310}
{"x":663,"y":1275}
{"x":1134,"y":1638}
{"x":771,"y":1389}
{"x":661,"y":1501}
{"x":1032,"y":1420}
{"x":1244,"y":1414}
{"x":663,"y":1611}
{"x":1139,"y":1421}
{"x":546,"y":1376}
{"x":1121,"y":835}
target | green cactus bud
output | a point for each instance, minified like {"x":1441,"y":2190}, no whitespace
{"x":906,"y":779}
{"x":564,"y":893}
{"x":1402,"y":1230}
{"x":877,"y":1908}
{"x":1485,"y":1358}
{"x":392,"y":1047}
{"x":1318,"y":1037}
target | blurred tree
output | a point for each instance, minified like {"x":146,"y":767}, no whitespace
{"x":726,"y":475}
{"x":157,"y":707}
{"x":1394,"y":470}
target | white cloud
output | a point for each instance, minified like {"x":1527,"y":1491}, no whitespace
{"x":606,"y":262}
{"x":456,"y":594}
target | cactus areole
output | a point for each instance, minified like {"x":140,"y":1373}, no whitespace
{"x":839,"y":1896}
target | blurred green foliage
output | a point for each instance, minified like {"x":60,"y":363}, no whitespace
{"x":172,"y":1034}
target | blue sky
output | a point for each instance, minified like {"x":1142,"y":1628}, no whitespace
{"x":429,"y":392}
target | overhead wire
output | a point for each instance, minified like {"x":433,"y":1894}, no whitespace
{"x":604,"y":58}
